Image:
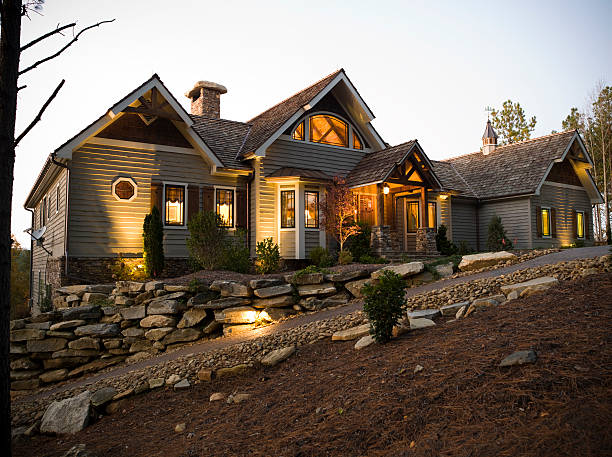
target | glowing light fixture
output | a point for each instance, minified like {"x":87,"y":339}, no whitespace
{"x":443,"y":196}
{"x":385,"y":189}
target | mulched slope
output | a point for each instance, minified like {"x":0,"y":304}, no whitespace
{"x":373,"y":404}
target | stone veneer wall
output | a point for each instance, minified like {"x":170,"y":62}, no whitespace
{"x":426,"y":241}
{"x":381,"y":241}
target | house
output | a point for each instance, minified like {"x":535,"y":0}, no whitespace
{"x":268,"y":175}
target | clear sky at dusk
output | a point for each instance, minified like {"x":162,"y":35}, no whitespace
{"x":426,"y":69}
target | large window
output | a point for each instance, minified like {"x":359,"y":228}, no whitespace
{"x":412,"y":216}
{"x":287,"y":209}
{"x":311,"y":200}
{"x":174,"y":201}
{"x":580,"y":224}
{"x":327,"y":129}
{"x":546,"y":231}
{"x":431,"y":215}
{"x":224,"y":206}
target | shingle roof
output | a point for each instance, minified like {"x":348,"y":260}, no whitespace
{"x":224,"y":137}
{"x":287,"y":172}
{"x":265,"y":124}
{"x":489,"y":131}
{"x":512,"y":169}
{"x":375,"y":166}
{"x":451,"y":179}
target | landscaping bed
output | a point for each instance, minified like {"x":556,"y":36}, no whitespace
{"x":329,"y":399}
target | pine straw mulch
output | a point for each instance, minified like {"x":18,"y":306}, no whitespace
{"x":372,"y":403}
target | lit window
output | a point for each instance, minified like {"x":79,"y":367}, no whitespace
{"x":356,"y":142}
{"x":225,"y":207}
{"x":545,"y":221}
{"x":328,"y":129}
{"x":580,"y":224}
{"x":287,"y":209}
{"x":311,"y":209}
{"x":431,"y":215}
{"x":175,"y":204}
{"x":413,"y":216}
{"x":298,"y":133}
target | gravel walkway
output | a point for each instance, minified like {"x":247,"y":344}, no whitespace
{"x":562,"y":256}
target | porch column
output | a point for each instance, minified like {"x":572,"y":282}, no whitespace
{"x":425,"y":237}
{"x":380,"y":205}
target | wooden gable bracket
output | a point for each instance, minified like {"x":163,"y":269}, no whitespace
{"x":152,"y":108}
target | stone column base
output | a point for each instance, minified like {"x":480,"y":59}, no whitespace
{"x":426,"y":241}
{"x":381,"y":241}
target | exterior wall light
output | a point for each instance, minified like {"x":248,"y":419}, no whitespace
{"x":385,"y":189}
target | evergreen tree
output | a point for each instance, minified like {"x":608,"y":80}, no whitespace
{"x":497,"y":239}
{"x":153,"y":234}
{"x":511,"y":124}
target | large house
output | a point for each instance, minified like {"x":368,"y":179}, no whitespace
{"x":268,"y":175}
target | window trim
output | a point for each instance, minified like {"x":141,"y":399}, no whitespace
{"x":57,"y":198}
{"x":132,"y":182}
{"x":233,"y":189}
{"x":45,"y":211}
{"x":547,"y":208}
{"x":435,"y":219}
{"x":292,"y":227}
{"x":185,"y":205}
{"x":583,"y":237}
{"x":318,"y":219}
{"x":418,"y":213}
{"x":351,"y":129}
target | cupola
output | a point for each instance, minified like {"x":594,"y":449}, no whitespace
{"x":489,"y":139}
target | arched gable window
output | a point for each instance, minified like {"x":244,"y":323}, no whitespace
{"x":327,"y":129}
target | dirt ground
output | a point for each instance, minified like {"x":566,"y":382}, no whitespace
{"x":330,"y":400}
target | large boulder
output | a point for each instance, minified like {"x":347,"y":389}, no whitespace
{"x":158,"y":320}
{"x":192,"y":317}
{"x":277,"y":356}
{"x":485,"y":259}
{"x":355,"y":287}
{"x":239,"y":315}
{"x":156,"y":334}
{"x":316,"y":289}
{"x":164,"y":306}
{"x":404,"y":269}
{"x":346,"y":276}
{"x":273,"y":291}
{"x":352,"y":333}
{"x":280,"y":301}
{"x":545,"y":281}
{"x":67,"y":416}
{"x":182,"y":335}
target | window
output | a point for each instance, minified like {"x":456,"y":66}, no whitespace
{"x":174,"y":203}
{"x":356,"y":141}
{"x":412,"y":216}
{"x":57,"y":199}
{"x":311,"y":202}
{"x":431,"y":215}
{"x":287,"y":209}
{"x":580,"y":224}
{"x":224,"y":206}
{"x":546,"y":222}
{"x":124,"y":189}
{"x":328,"y":129}
{"x":298,"y":133}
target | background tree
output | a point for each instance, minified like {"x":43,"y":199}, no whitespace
{"x":20,"y":280}
{"x":338,"y":209}
{"x":511,"y":124}
{"x":11,"y":12}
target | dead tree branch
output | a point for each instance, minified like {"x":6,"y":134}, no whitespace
{"x":39,"y":115}
{"x":70,"y":43}
{"x":46,"y":35}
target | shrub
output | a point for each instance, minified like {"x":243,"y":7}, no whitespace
{"x":153,"y":240}
{"x":464,"y":248}
{"x":206,"y":242}
{"x":371,"y":259}
{"x":497,"y":239}
{"x":321,"y":257}
{"x":359,"y":244}
{"x":443,"y":245}
{"x":237,"y":255}
{"x":123,"y":269}
{"x":384,"y":305}
{"x":345,"y":257}
{"x":268,"y":256}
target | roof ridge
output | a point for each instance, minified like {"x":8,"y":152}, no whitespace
{"x":536,"y":139}
{"x":392,"y":147}
{"x":463,"y":179}
{"x":296,"y":93}
{"x":201,"y":116}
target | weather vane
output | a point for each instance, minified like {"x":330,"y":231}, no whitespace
{"x":489,"y":110}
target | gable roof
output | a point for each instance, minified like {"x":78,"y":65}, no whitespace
{"x":451,"y":179}
{"x":226,"y":138}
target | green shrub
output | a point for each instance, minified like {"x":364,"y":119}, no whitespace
{"x":321,"y":257}
{"x":578,"y":244}
{"x":268,"y":256}
{"x":46,"y":302}
{"x":443,"y":245}
{"x":345,"y":257}
{"x":371,"y":259}
{"x":464,"y":248}
{"x":497,"y":239}
{"x":206,"y":242}
{"x":384,"y":305}
{"x":153,"y":240}
{"x":359,"y":244}
{"x":237,"y":256}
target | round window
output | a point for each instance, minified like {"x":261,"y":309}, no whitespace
{"x":124,"y":189}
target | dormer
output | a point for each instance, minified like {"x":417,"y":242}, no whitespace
{"x":489,"y":139}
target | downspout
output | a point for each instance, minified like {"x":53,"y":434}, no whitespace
{"x":248,"y":215}
{"x":31,"y":258}
{"x":62,"y":165}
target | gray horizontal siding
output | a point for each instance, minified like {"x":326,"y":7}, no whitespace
{"x":463,"y":222}
{"x":311,"y":240}
{"x":514,"y":214}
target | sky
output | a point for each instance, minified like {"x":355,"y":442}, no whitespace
{"x":426,"y":69}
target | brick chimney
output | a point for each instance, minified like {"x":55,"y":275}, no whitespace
{"x":205,"y":99}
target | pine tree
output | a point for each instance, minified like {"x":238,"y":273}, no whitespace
{"x":153,"y":234}
{"x":510,"y":123}
{"x":497,"y":239}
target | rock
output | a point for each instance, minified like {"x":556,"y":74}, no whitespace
{"x":54,"y":375}
{"x":513,"y":295}
{"x":267,"y":292}
{"x":73,"y":290}
{"x":346,"y":276}
{"x":205,"y":374}
{"x":182,"y":335}
{"x":64,"y":362}
{"x":450,"y":310}
{"x":519,"y":358}
{"x":262,"y":283}
{"x":46,"y":317}
{"x":217,"y":396}
{"x":238,"y":398}
{"x":182,"y":385}
{"x":239,"y":315}
{"x":103,"y":396}
{"x":235,"y":289}
{"x":46,"y":345}
{"x":156,"y":334}
{"x":39,"y":325}
{"x":116,"y":319}
{"x":180,"y":428}
{"x":74,"y":353}
{"x":57,"y":334}
{"x":78,"y":450}
{"x":124,"y":394}
{"x":26,"y":384}
{"x":144,"y":297}
{"x":24,"y":363}
{"x":426,"y":313}
{"x":27,"y":334}
{"x":364,"y":342}
{"x":86,"y":342}
{"x":354,"y":287}
{"x":176,"y":288}
{"x":499,"y":298}
{"x":158,"y":320}
{"x":239,"y":329}
{"x":123,"y":300}
{"x":172,"y":379}
{"x":68,"y":324}
{"x":211,"y":327}
{"x":137,"y":357}
{"x":404,"y":269}
{"x":17,"y":324}
{"x":156,"y":383}
{"x":316,"y":289}
{"x":222,"y":303}
{"x":304,"y":279}
{"x":277,"y":356}
{"x":274,"y":302}
{"x":192,"y":317}
{"x":164,"y":307}
{"x":154,"y":285}
{"x":445,"y":270}
{"x":82,"y":312}
{"x":232,"y":371}
{"x":531,"y":290}
{"x":352,"y":333}
{"x":141,"y":345}
{"x":67,"y":416}
{"x":275,"y":314}
{"x":133,"y":312}
{"x":419,"y":323}
{"x":418,"y":369}
{"x":21,"y":375}
{"x":133,"y":332}
{"x":110,"y":310}
{"x":484,"y":302}
{"x":485,"y":259}
{"x":125,"y":287}
{"x":96,"y":365}
{"x":93,"y":297}
{"x":101,"y":288}
{"x":100,"y":330}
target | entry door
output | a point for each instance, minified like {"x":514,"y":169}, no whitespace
{"x":366,"y":209}
{"x":411,"y":224}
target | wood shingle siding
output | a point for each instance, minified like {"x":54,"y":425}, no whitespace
{"x":514,"y":214}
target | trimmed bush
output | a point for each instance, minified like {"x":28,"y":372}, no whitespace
{"x":497,"y":239}
{"x":153,"y":240}
{"x":237,"y":255}
{"x":206,"y":242}
{"x":268,"y":256}
{"x":359,"y":244}
{"x":345,"y":257}
{"x":384,"y":305}
{"x":443,"y":245}
{"x":321,"y":257}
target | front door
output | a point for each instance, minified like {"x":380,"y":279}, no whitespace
{"x":411,"y":224}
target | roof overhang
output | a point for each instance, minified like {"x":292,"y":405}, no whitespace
{"x":432,"y":175}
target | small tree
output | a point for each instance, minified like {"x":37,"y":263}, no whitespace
{"x":497,"y":239}
{"x":359,"y":244}
{"x":338,"y":209}
{"x":443,"y":245}
{"x":384,"y":305}
{"x":153,"y":234}
{"x":268,"y":256}
{"x":510,"y":123}
{"x":206,"y":242}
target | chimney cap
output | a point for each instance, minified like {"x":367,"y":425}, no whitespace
{"x":205,"y":85}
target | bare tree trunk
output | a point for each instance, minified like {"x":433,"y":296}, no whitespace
{"x":10,"y":14}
